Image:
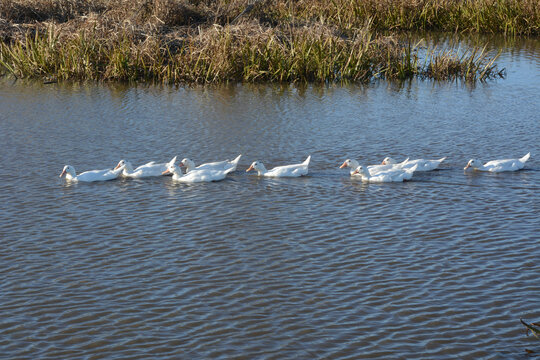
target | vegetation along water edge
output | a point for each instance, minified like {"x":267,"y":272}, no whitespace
{"x":203,"y":41}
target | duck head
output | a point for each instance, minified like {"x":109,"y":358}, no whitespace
{"x":126,"y":164}
{"x":388,"y":161}
{"x":172,"y":169}
{"x":69,"y":171}
{"x":258,"y":166}
{"x":349,"y":163}
{"x":360,"y":171}
{"x":188,"y":164}
{"x":473,"y":163}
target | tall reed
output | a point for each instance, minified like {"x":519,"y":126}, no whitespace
{"x":205,"y":41}
{"x":243,"y":53}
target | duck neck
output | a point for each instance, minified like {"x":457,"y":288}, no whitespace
{"x":128,"y":169}
{"x":71,"y":174}
{"x":364,"y":174}
{"x":189,"y":165}
{"x":261,"y":169}
{"x":119,"y":170}
{"x":480,"y":167}
{"x":176,"y":170}
{"x":353,"y":164}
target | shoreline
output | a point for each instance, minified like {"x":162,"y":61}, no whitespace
{"x":189,"y":42}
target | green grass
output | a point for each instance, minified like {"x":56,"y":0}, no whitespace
{"x":235,"y":54}
{"x":204,"y":41}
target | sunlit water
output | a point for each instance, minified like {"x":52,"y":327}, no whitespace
{"x":324,"y":266}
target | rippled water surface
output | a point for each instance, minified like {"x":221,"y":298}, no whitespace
{"x":324,"y":266}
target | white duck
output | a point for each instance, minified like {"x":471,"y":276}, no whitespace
{"x":228,"y":165}
{"x":373,"y":169}
{"x":423,"y":165}
{"x":391,"y":175}
{"x":195,"y":176}
{"x":499,"y":165}
{"x":281,"y":171}
{"x":146,"y":170}
{"x":90,"y":176}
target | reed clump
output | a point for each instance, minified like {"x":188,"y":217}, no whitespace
{"x":203,"y":41}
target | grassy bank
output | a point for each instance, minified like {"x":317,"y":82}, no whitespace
{"x":510,"y":17}
{"x":176,"y":41}
{"x":517,"y":17}
{"x":245,"y":53}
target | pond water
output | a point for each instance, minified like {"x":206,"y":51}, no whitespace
{"x":323,"y":266}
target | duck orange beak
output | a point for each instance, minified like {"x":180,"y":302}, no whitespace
{"x":181,"y":164}
{"x":250,"y":168}
{"x":117,"y":166}
{"x":343,"y":165}
{"x":466,"y":167}
{"x":63,"y":172}
{"x":165,"y":172}
{"x":383,"y":163}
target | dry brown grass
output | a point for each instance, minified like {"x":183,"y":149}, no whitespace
{"x":27,"y":11}
{"x":492,"y":16}
{"x":180,"y":41}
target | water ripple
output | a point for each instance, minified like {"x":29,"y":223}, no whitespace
{"x":319,"y":267}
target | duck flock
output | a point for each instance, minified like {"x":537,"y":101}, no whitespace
{"x":388,"y":171}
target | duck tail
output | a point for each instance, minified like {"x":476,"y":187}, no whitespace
{"x":234,"y":164}
{"x":235,"y":161}
{"x":413,"y":169}
{"x":525,"y":158}
{"x":173,"y":160}
{"x":404,"y":162}
{"x":306,"y":162}
{"x":441,"y":159}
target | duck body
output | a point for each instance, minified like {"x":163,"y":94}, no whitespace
{"x":422,"y":164}
{"x":90,"y":176}
{"x":147,"y":170}
{"x":226,"y":165}
{"x":294,"y":170}
{"x":390,"y":175}
{"x":196,"y":176}
{"x":498,"y":165}
{"x":372,"y":169}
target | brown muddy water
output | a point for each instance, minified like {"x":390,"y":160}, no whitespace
{"x":321,"y":267}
